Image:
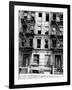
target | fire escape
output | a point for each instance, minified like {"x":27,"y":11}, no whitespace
{"x":58,"y":36}
{"x":57,"y":44}
{"x":26,"y":40}
{"x":27,"y":34}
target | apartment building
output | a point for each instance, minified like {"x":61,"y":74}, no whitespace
{"x":57,"y":41}
{"x":40,"y":42}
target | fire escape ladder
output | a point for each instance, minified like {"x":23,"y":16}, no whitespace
{"x":58,"y":30}
{"x":26,"y":43}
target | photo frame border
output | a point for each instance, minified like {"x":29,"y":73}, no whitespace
{"x":11,"y":44}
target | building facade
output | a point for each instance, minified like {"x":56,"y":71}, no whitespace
{"x":40,"y":42}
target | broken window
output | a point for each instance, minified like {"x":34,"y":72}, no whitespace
{"x":47,"y":17}
{"x":36,"y":58}
{"x":46,"y":43}
{"x":38,"y":43}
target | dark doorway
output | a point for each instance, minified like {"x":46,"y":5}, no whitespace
{"x":58,"y":61}
{"x":26,"y":60}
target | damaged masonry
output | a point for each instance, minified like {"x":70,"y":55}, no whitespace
{"x":40,"y":42}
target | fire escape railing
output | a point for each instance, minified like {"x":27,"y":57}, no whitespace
{"x":58,"y":30}
{"x":27,"y":33}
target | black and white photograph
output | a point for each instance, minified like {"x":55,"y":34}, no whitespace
{"x":40,"y":44}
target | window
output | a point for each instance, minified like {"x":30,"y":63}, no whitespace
{"x":31,"y":27}
{"x":46,"y":33}
{"x":40,"y":14}
{"x":32,"y":31}
{"x":47,"y":60}
{"x":47,"y":17}
{"x":61,"y":28}
{"x":39,"y":29}
{"x":60,"y":44}
{"x":54,"y":16}
{"x":58,"y":18}
{"x":21,"y":34}
{"x":33,"y":14}
{"x":46,"y":30}
{"x":39,"y":32}
{"x":61,"y":17}
{"x":54,"y":30}
{"x":22,"y":20}
{"x":25,"y":17}
{"x":22,"y":43}
{"x":58,"y":61}
{"x":36,"y":58}
{"x":54,"y":43}
{"x":31,"y":42}
{"x":46,"y":43}
{"x":25,"y":13}
{"x":38,"y":43}
{"x":26,"y":61}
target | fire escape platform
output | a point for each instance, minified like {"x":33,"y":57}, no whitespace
{"x":58,"y":36}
